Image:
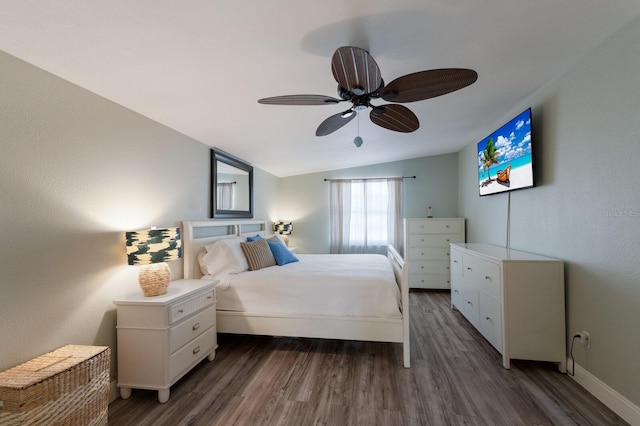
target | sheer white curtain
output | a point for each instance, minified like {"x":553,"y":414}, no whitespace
{"x":225,"y":196}
{"x":365,"y":215}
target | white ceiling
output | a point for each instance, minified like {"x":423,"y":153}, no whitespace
{"x":200,"y":66}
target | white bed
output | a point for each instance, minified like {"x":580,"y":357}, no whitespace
{"x":380,"y":313}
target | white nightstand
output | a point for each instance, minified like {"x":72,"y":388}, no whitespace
{"x":161,"y":338}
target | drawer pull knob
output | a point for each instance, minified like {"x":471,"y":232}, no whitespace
{"x":209,"y":297}
{"x":447,"y":254}
{"x":455,"y":291}
{"x":487,"y":277}
{"x":448,"y":240}
{"x":447,"y":226}
{"x":469,"y":303}
{"x":422,"y":267}
{"x":469,"y":268}
{"x":195,"y":326}
{"x":455,"y":261}
{"x":488,"y":318}
{"x":180,"y":311}
{"x":196,"y":350}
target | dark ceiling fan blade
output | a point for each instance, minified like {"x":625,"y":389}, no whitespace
{"x":355,"y":70}
{"x":428,"y":84}
{"x":299,"y":100}
{"x":334,"y":122}
{"x":395,"y":117}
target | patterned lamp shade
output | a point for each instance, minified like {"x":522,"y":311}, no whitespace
{"x":283,"y":228}
{"x":152,"y":248}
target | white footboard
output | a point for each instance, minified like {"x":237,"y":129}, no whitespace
{"x":401,"y":271}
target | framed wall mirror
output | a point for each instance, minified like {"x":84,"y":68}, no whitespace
{"x":231,"y":187}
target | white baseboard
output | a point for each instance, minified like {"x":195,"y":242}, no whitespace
{"x":113,"y":391}
{"x":608,"y":396}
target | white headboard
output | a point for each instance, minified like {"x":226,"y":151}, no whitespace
{"x":197,"y":234}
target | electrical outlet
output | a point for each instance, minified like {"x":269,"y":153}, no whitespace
{"x":585,"y":338}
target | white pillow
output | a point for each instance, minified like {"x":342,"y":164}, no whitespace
{"x":223,"y":256}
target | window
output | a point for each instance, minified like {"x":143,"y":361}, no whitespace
{"x":366,"y":215}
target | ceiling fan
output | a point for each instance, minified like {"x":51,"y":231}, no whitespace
{"x":360,"y":82}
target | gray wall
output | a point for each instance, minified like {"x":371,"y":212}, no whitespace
{"x":76,"y":171}
{"x":304,"y":199}
{"x":586,"y":209}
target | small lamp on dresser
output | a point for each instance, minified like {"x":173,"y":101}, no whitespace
{"x":285,"y":229}
{"x":152,"y":248}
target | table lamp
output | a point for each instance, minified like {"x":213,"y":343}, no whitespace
{"x":285,"y":229}
{"x":152,"y":248}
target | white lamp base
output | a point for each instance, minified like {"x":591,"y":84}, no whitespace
{"x":154,"y":279}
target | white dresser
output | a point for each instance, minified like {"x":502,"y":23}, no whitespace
{"x":426,"y":245}
{"x":514,"y":298}
{"x":161,"y":338}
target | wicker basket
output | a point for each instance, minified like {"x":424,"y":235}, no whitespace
{"x":69,"y":386}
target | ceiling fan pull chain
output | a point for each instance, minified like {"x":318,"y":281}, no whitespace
{"x":358,"y":140}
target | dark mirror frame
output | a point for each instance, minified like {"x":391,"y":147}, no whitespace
{"x":232,"y":161}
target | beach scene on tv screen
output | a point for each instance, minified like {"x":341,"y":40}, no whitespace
{"x":504,"y":157}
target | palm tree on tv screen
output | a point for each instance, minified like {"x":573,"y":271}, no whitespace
{"x":489,"y":156}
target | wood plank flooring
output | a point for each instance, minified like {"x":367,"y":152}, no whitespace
{"x":456,"y":378}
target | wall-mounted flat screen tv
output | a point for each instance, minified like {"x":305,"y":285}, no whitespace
{"x":505,"y":161}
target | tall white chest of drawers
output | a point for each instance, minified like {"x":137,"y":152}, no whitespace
{"x":426,"y":245}
{"x":161,"y":338}
{"x":514,"y":298}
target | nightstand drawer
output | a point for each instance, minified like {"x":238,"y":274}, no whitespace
{"x":191,"y":328}
{"x":193,"y":352}
{"x":189,"y":306}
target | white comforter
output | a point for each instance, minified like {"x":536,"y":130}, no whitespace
{"x":361,"y":285}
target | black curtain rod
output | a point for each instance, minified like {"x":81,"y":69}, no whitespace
{"x":392,"y":177}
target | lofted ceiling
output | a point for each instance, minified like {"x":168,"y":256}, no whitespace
{"x":200,"y":66}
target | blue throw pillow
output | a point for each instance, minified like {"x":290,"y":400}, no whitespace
{"x":257,"y":237}
{"x":281,"y":253}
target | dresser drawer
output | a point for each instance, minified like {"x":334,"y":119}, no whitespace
{"x":191,"y":353}
{"x":191,"y":328}
{"x":426,"y":240}
{"x":470,"y":305}
{"x":434,"y":226}
{"x":456,"y":296}
{"x":428,"y":253}
{"x":184,"y":309}
{"x":429,"y":267}
{"x":486,"y":275}
{"x":429,"y":281}
{"x":456,"y":263}
{"x":490,"y":320}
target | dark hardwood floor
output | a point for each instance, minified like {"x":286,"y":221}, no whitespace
{"x":456,"y":378}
